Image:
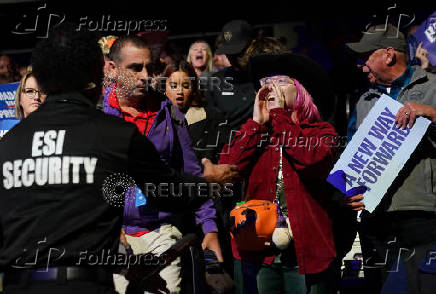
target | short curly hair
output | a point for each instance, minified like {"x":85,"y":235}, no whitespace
{"x":68,"y":60}
{"x":263,"y":45}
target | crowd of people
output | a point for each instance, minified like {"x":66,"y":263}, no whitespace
{"x":112,"y":141}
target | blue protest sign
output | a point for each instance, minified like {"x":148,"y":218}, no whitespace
{"x":426,"y":33}
{"x":7,"y":107}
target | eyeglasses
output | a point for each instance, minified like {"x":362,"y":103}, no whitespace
{"x":32,"y":93}
{"x":281,"y":80}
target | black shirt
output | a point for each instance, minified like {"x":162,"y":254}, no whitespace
{"x":209,"y":135}
{"x":53,"y":167}
{"x":234,"y":96}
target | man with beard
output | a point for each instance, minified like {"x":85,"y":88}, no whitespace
{"x":64,"y":171}
{"x":147,"y":228}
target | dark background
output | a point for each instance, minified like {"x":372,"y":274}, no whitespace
{"x":327,"y":19}
{"x":325,"y":27}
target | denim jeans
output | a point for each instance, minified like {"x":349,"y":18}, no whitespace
{"x":281,"y":276}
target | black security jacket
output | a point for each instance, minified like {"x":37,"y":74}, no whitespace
{"x":54,"y":167}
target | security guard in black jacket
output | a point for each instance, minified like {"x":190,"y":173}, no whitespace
{"x":63,"y":170}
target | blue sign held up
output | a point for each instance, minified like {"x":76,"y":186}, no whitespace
{"x":426,"y":33}
{"x":7,"y":107}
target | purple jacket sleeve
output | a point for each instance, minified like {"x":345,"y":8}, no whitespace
{"x":206,"y":213}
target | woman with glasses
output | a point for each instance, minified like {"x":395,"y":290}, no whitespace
{"x":284,"y":154}
{"x":28,"y":96}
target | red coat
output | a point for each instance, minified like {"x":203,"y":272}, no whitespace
{"x":308,"y":156}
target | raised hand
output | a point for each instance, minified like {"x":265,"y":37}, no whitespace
{"x":422,"y":55}
{"x":260,"y":111}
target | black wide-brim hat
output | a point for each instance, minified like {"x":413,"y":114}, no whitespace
{"x":309,"y":73}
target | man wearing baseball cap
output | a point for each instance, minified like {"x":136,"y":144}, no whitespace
{"x":237,"y":35}
{"x":408,"y":210}
{"x":380,"y":36}
{"x":235,"y":97}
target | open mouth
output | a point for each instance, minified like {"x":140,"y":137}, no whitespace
{"x":271,"y":96}
{"x":179,"y":99}
{"x":199,"y":57}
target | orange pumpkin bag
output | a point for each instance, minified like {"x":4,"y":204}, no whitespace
{"x":253,"y":223}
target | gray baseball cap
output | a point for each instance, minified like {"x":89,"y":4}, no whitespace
{"x":378,"y":37}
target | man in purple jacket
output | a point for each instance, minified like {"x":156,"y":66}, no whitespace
{"x":146,"y":228}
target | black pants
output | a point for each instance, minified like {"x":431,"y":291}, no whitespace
{"x":407,"y":236}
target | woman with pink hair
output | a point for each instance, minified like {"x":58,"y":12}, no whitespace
{"x":284,"y":153}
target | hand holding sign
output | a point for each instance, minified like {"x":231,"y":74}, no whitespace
{"x":407,"y":114}
{"x":356,"y":202}
{"x":378,"y":151}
